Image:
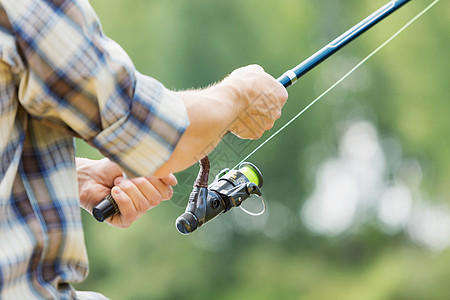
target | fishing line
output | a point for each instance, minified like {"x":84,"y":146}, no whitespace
{"x":340,"y":80}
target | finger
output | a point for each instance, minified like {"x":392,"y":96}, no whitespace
{"x":128,"y":212}
{"x":276,"y":88}
{"x":118,"y":180}
{"x":282,"y":95}
{"x":148,"y":191}
{"x":112,"y":169}
{"x":164,"y":189}
{"x":169,"y":180}
{"x":133,"y":189}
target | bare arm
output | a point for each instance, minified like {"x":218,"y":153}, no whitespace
{"x":246,"y":103}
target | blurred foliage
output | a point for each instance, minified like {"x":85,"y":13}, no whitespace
{"x":403,"y":91}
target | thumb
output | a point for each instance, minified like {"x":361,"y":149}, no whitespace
{"x":111,"y":170}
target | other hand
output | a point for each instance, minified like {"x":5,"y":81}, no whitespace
{"x":133,"y":196}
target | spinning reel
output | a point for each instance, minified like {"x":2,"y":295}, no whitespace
{"x":229,"y":189}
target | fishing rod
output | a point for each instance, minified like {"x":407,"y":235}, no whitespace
{"x":231,"y":187}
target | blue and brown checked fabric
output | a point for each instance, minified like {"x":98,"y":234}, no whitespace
{"x":61,"y":77}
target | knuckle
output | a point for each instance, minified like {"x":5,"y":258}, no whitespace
{"x":268,"y":126}
{"x":275,"y":114}
{"x":145,"y":205}
{"x":258,"y":134}
{"x":156,"y":200}
{"x":256,"y":67}
{"x":139,"y":180}
{"x":130,"y":217}
{"x":126,"y":185}
{"x":283,"y":95}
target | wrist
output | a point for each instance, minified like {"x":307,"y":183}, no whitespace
{"x":213,"y":108}
{"x":231,"y":91}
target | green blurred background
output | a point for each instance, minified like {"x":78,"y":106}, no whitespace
{"x":357,"y":189}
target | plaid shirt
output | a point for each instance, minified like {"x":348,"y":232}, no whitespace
{"x":60,"y":77}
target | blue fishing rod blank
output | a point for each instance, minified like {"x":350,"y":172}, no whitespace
{"x":291,"y":76}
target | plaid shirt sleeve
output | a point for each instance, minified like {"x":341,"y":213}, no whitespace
{"x":60,"y":76}
{"x":80,"y":80}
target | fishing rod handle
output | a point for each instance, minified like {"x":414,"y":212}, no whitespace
{"x":105,"y":209}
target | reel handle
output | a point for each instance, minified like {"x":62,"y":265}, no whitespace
{"x":105,"y":209}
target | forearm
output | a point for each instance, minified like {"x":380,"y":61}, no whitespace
{"x":247,"y":103}
{"x":211,"y":112}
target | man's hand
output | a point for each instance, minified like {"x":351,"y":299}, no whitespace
{"x":260,"y":100}
{"x":134,"y":197}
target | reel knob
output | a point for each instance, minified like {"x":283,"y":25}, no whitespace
{"x":186,"y":223}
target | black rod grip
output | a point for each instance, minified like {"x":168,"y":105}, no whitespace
{"x":105,"y":209}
